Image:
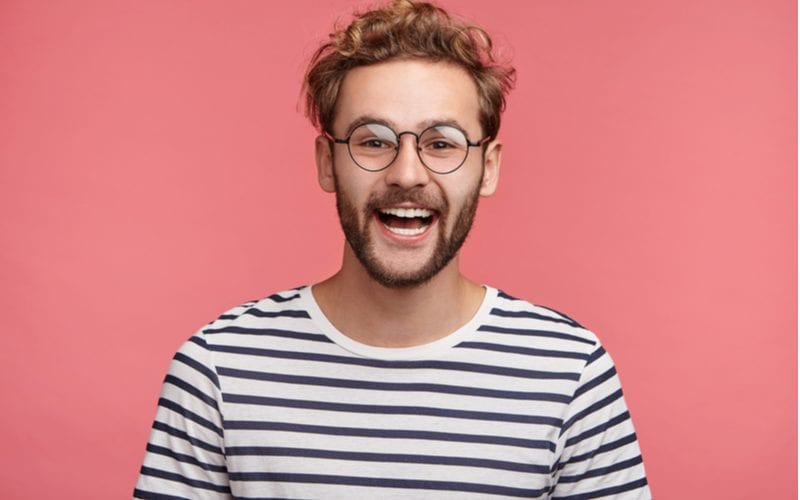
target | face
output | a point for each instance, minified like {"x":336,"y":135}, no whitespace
{"x":405,"y":224}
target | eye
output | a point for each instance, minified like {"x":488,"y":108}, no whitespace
{"x":375,"y":143}
{"x":439,"y":145}
{"x":442,"y":140}
{"x":372,"y":138}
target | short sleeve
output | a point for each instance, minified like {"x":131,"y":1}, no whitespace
{"x":599,"y":453}
{"x":185,"y":455}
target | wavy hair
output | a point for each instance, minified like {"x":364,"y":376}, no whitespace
{"x":406,"y":29}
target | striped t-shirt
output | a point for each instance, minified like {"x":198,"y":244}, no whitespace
{"x":272,"y":401}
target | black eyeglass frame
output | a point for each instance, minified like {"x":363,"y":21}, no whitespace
{"x":398,"y":135}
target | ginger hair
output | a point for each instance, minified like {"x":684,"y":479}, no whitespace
{"x":406,"y":29}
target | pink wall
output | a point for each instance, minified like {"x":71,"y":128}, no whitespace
{"x":154,"y":170}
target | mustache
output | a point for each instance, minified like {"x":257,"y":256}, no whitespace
{"x":396,"y":196}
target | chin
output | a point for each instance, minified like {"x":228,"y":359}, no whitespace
{"x":400,"y":277}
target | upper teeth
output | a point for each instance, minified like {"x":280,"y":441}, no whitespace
{"x":407,"y":212}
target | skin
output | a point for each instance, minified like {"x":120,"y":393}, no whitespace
{"x":407,"y":94}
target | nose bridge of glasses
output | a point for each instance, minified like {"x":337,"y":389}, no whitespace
{"x":411,"y":133}
{"x":417,"y":155}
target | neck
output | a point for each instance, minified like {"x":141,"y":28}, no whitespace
{"x":373,"y":314}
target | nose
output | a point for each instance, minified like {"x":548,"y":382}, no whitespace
{"x":407,"y":170}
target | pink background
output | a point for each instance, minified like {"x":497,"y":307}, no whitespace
{"x":155,"y":170}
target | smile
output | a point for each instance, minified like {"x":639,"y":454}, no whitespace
{"x":406,"y":221}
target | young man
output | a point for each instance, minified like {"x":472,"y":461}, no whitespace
{"x":397,"y":377}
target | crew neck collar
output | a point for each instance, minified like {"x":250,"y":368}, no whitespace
{"x":419,"y":352}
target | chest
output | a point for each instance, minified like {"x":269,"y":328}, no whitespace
{"x":301,"y":430}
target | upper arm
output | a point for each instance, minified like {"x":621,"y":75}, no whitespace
{"x":599,"y":453}
{"x":185,"y":455}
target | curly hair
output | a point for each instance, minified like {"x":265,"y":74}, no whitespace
{"x":406,"y":29}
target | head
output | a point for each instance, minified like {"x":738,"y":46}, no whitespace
{"x":407,"y":65}
{"x":406,"y":30}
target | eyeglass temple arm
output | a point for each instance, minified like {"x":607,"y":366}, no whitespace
{"x":480,"y":142}
{"x":335,"y":139}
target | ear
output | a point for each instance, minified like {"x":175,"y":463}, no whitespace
{"x":323,"y":153}
{"x":491,"y":168}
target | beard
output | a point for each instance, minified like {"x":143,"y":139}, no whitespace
{"x":447,"y":245}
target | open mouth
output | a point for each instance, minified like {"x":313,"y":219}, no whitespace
{"x":406,"y":221}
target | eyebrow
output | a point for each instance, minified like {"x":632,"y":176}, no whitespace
{"x":361,"y":120}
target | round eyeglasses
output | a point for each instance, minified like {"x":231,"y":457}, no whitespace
{"x":441,"y":148}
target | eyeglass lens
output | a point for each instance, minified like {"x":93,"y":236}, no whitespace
{"x":441,"y":148}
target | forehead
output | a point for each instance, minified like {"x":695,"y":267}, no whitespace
{"x":408,"y":94}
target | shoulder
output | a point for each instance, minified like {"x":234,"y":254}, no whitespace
{"x":285,"y":303}
{"x":543,"y":325}
{"x":516,"y":306}
{"x":283,"y":309}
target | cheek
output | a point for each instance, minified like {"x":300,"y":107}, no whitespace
{"x":461,"y":190}
{"x":354,"y":188}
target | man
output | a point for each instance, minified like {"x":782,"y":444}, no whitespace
{"x":397,"y":377}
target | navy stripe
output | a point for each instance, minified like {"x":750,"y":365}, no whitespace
{"x":391,"y":410}
{"x":273,"y":332}
{"x":149,"y":495}
{"x":388,"y":433}
{"x":235,"y":312}
{"x":561,"y":314}
{"x":288,"y":313}
{"x":260,"y":451}
{"x":183,"y":358}
{"x":506,"y":296}
{"x":390,"y":386}
{"x":602,"y":471}
{"x":201,"y":341}
{"x":182,"y":457}
{"x":160,"y":426}
{"x":532,"y":315}
{"x":630,"y":438}
{"x":378,"y":363}
{"x":614,"y":490}
{"x":595,"y":381}
{"x":590,"y":409}
{"x":535,"y":333}
{"x":189,"y":415}
{"x":595,"y":355}
{"x":239,"y":497}
{"x":195,"y":483}
{"x":278,"y":298}
{"x":529,"y":351}
{"x":194,"y":391}
{"x":598,"y":429}
{"x":378,"y":482}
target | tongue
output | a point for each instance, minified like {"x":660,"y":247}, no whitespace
{"x":404,"y":222}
